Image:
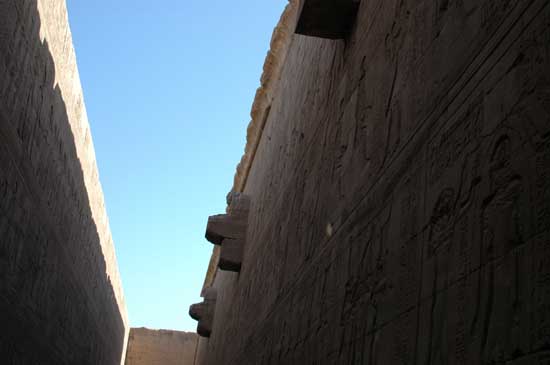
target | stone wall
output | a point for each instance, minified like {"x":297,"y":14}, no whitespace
{"x":400,"y":195}
{"x":61,"y":300}
{"x":162,"y":347}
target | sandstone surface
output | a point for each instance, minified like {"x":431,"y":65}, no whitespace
{"x":61,"y":299}
{"x":400,"y":193}
{"x":161,"y":347}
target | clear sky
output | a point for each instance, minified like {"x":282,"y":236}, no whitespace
{"x":168,"y":87}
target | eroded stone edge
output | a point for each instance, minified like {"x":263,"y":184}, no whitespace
{"x":274,"y":61}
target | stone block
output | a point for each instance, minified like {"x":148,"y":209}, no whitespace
{"x":229,"y":230}
{"x":223,"y":226}
{"x":164,"y":347}
{"x":204,"y":312}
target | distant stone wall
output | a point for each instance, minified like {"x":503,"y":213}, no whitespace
{"x":162,"y":347}
{"x":61,"y":300}
{"x":400,"y":195}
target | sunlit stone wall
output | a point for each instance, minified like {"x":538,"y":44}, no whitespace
{"x":166,"y":347}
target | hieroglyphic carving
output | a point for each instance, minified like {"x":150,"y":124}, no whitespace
{"x":404,"y":342}
{"x":474,"y":298}
{"x":442,"y":222}
{"x":461,"y":330}
{"x":502,"y":237}
{"x":409,"y":207}
{"x":441,"y":8}
{"x":540,"y":332}
{"x":367,"y":286}
{"x":358,"y":289}
{"x":446,"y":149}
{"x":542,"y":184}
{"x":48,"y":191}
{"x":502,"y":227}
{"x":436,"y":274}
{"x":492,"y":11}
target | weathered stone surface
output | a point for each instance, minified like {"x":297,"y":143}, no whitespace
{"x":400,"y":194}
{"x":61,"y":300}
{"x":163,"y":347}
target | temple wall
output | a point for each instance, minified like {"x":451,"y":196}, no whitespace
{"x":61,"y":300}
{"x":149,"y":347}
{"x":400,"y":195}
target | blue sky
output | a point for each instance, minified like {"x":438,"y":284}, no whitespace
{"x":168,"y":87}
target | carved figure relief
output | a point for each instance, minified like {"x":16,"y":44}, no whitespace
{"x":439,"y":243}
{"x":441,"y":8}
{"x":441,"y":223}
{"x":448,"y":148}
{"x":492,"y":11}
{"x":540,"y":332}
{"x":502,"y":228}
{"x":502,"y":233}
{"x":542,"y":184}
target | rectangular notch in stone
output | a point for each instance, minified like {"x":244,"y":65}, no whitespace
{"x":331,"y":19}
{"x":231,"y":255}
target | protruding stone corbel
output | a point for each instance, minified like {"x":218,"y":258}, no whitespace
{"x":229,"y":231}
{"x":204,"y":312}
{"x":332,"y":19}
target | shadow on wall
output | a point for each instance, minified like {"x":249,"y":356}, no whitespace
{"x":57,"y":304}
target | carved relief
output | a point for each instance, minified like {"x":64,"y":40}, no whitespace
{"x":441,"y":8}
{"x":466,"y":218}
{"x":405,"y":243}
{"x":502,"y":222}
{"x":404,"y":341}
{"x":492,"y":11}
{"x":542,"y":184}
{"x":502,"y":235}
{"x":445,"y":151}
{"x":436,"y":276}
{"x":395,"y":37}
{"x":395,"y":128}
{"x":367,"y":284}
{"x":442,"y":222}
{"x":540,"y":333}
{"x":358,"y":289}
{"x":409,"y":204}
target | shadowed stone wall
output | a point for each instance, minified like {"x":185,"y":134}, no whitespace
{"x":61,"y":300}
{"x":162,"y":347}
{"x":400,"y":195}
